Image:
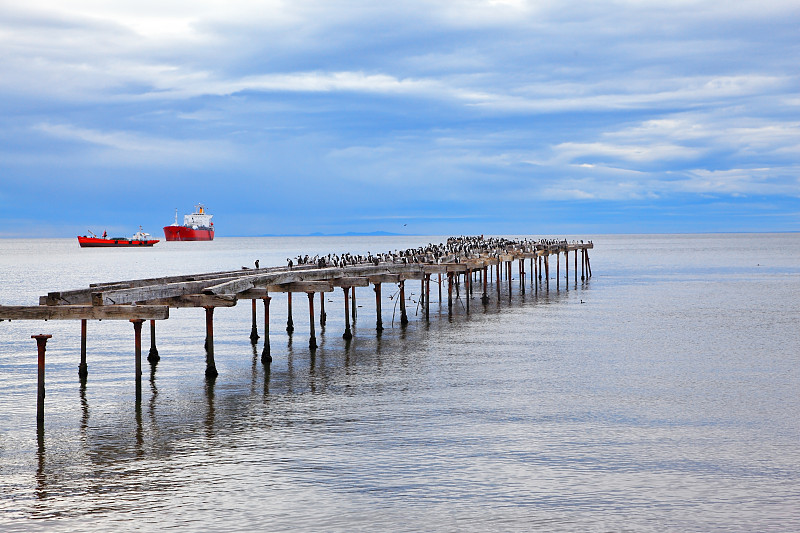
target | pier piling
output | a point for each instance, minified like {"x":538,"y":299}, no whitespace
{"x":254,"y":329}
{"x":266,"y":357}
{"x":289,"y":319}
{"x":83,"y":369}
{"x":211,"y":366}
{"x":41,"y":343}
{"x":312,"y":339}
{"x":152,"y":355}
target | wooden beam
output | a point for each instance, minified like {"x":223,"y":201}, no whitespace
{"x":302,"y":286}
{"x":198,"y":300}
{"x":434,"y":269}
{"x":349,"y":282}
{"x":76,"y":312}
{"x":385,"y":278}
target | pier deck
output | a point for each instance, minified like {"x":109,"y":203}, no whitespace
{"x":471,"y":259}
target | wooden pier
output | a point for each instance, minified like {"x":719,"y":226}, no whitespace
{"x":475,"y":261}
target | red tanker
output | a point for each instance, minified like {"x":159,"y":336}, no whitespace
{"x":196,"y":227}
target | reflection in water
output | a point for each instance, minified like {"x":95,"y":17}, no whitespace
{"x":41,"y":478}
{"x":84,"y":408}
{"x":209,"y":420}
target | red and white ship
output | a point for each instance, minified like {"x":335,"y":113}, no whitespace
{"x":196,"y":227}
{"x":140,"y":238}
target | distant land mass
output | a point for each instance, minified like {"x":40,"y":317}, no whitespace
{"x":347,"y":234}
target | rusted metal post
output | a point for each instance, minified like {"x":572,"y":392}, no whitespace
{"x":547,"y":271}
{"x":558,"y":270}
{"x":353,"y":305}
{"x":583,"y":263}
{"x":41,"y":343}
{"x":83,"y":369}
{"x":509,"y":266}
{"x":211,"y":366}
{"x":289,"y":319}
{"x":348,"y":334}
{"x":137,"y":335}
{"x":427,"y":283}
{"x":576,"y":266}
{"x":153,"y":356}
{"x":498,"y":281}
{"x":485,"y":297}
{"x":533,"y":269}
{"x":312,"y":340}
{"x":403,"y":315}
{"x":468,"y":283}
{"x":266,"y":358}
{"x":379,"y":320}
{"x":588,"y":265}
{"x":323,"y":316}
{"x":449,"y":291}
{"x":254,"y":329}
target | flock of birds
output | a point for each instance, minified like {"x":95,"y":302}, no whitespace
{"x":455,"y":250}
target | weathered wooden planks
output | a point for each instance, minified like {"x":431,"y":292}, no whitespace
{"x":72,"y":312}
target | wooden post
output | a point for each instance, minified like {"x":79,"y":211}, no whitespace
{"x":422,"y":290}
{"x":403,"y":315}
{"x":41,"y":343}
{"x":522,"y":275}
{"x":289,"y":320}
{"x":254,"y":328}
{"x":379,"y":319}
{"x":266,"y":358}
{"x":533,"y":269}
{"x":153,"y":356}
{"x":312,"y":340}
{"x":83,"y":369}
{"x":540,"y":268}
{"x":440,"y":287}
{"x":211,"y":366}
{"x":348,"y":334}
{"x":323,"y":316}
{"x":566,"y":269}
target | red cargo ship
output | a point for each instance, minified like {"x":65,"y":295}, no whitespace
{"x":140,"y":238}
{"x":196,"y":227}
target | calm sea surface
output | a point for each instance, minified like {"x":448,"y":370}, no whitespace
{"x":663,"y":394}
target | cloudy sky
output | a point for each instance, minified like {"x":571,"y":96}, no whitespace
{"x":424,"y":117}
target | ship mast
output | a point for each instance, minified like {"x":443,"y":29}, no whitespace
{"x":176,"y":217}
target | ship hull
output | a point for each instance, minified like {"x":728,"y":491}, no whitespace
{"x":182,"y":233}
{"x":97,"y":242}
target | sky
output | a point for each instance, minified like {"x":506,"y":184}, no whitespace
{"x":418,"y":117}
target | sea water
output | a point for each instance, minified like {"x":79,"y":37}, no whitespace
{"x":660,"y":395}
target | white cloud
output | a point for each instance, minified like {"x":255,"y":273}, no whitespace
{"x":140,"y":150}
